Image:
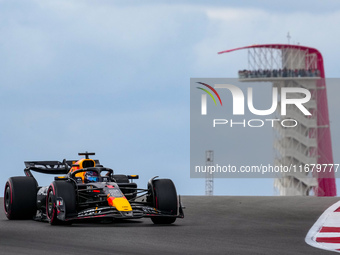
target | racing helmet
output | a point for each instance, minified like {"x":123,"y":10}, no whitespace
{"x":91,"y":176}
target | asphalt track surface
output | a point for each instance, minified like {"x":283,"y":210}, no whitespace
{"x":212,"y":225}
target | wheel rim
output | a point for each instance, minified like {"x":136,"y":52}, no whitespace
{"x":50,"y":204}
{"x":7,"y":198}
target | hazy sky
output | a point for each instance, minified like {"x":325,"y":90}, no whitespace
{"x":113,"y":77}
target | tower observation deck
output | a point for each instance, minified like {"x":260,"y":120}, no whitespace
{"x":286,"y":65}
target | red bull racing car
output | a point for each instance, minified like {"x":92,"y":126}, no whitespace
{"x":84,"y":189}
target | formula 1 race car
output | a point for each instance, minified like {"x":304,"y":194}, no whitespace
{"x":87,"y":190}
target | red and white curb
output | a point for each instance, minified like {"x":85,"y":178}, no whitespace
{"x":325,"y":233}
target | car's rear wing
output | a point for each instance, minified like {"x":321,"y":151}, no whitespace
{"x":50,"y":167}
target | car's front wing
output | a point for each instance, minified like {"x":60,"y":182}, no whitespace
{"x":138,"y":211}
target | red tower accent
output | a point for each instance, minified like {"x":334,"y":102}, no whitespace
{"x":326,"y":181}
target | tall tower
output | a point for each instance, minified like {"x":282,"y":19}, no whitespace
{"x":209,"y":178}
{"x":309,"y":143}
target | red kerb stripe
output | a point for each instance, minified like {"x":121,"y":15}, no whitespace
{"x":328,"y":239}
{"x":330,"y":229}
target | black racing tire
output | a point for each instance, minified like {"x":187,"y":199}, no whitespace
{"x":66,"y":191}
{"x":20,"y":198}
{"x":120,"y":178}
{"x":165,"y":199}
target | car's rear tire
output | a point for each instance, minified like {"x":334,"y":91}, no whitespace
{"x":120,"y":178}
{"x":20,"y":198}
{"x":165,"y":200}
{"x":66,"y":191}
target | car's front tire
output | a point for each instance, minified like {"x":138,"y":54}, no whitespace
{"x":66,"y":191}
{"x":165,"y":200}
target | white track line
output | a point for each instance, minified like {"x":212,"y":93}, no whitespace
{"x":327,"y":218}
{"x":328,"y":234}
